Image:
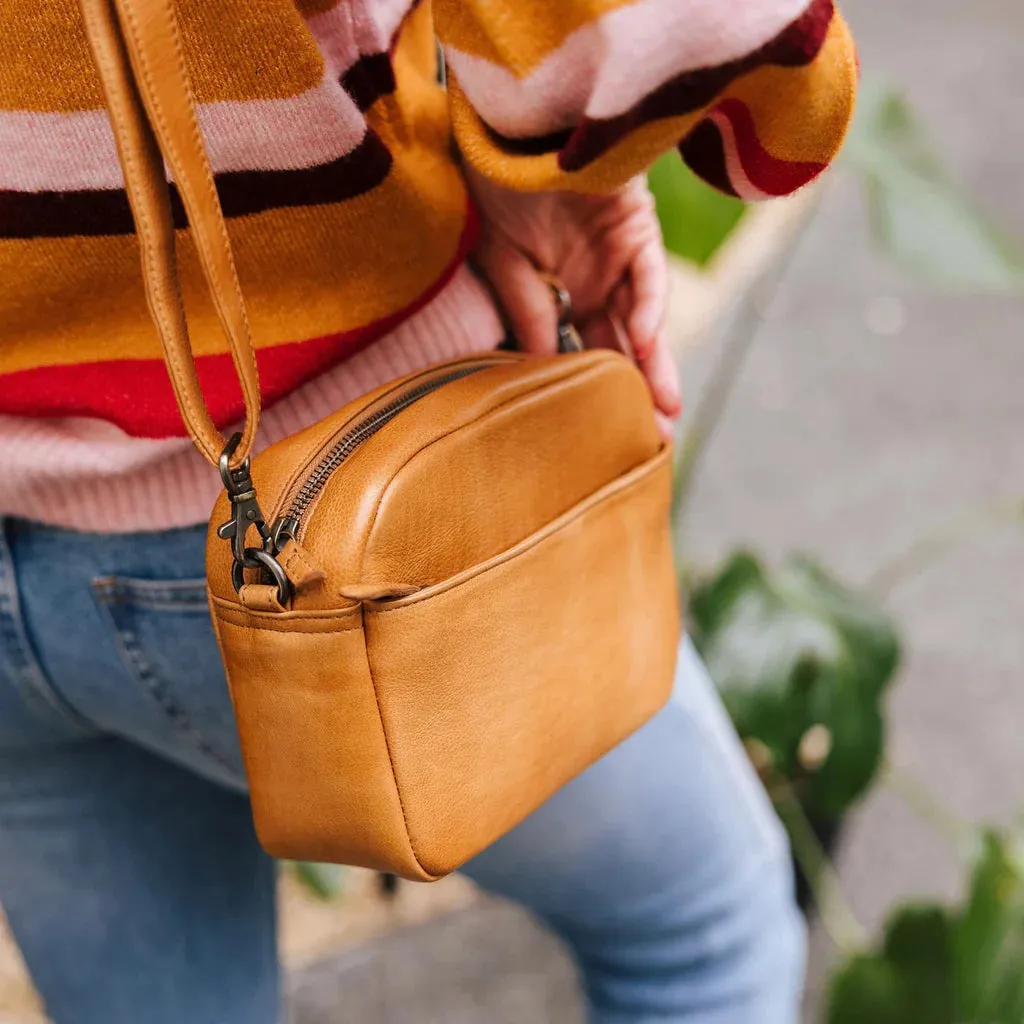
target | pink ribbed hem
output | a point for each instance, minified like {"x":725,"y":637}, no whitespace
{"x":88,"y":475}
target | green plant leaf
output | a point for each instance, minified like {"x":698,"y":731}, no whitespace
{"x":695,"y":218}
{"x":325,"y":881}
{"x":990,"y":937}
{"x":918,"y":215}
{"x":865,"y":989}
{"x":793,"y":650}
{"x":870,"y":633}
{"x":945,"y":966}
{"x":842,"y":703}
{"x":910,"y":980}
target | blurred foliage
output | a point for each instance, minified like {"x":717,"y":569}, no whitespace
{"x":919,"y":216}
{"x":802,"y":664}
{"x":695,"y":218}
{"x":940,"y":965}
{"x":910,"y":979}
{"x":325,"y":881}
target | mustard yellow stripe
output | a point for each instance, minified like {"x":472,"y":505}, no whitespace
{"x":802,"y":113}
{"x":517,"y":34}
{"x":248,"y":49}
{"x":45,"y":62}
{"x":235,"y":50}
{"x":415,"y":51}
{"x":305,"y":272}
{"x":623,"y":161}
{"x":418,"y":100}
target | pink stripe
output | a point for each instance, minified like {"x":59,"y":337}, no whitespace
{"x":755,"y":173}
{"x":609,"y":65}
{"x":355,"y":28}
{"x":75,"y":151}
{"x":741,"y":184}
{"x":89,"y":475}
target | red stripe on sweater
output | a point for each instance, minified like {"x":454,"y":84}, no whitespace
{"x":796,"y":45}
{"x":767,"y":173}
{"x":136,"y":394}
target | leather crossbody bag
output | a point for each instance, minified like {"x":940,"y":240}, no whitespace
{"x":437,"y":605}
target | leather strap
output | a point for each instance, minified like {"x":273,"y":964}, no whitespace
{"x":136,"y":47}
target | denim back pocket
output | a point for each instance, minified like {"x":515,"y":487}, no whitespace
{"x":168,"y":648}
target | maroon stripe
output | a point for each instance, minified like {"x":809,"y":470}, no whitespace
{"x":371,"y":77}
{"x":106,"y":211}
{"x":136,"y":394}
{"x":795,"y":46}
{"x":534,"y":145}
{"x":704,"y":153}
{"x":52,"y":214}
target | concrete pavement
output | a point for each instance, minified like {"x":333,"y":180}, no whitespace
{"x":870,"y":411}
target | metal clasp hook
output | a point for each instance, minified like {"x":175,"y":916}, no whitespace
{"x":246,"y":512}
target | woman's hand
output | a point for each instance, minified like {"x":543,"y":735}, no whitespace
{"x":606,"y":250}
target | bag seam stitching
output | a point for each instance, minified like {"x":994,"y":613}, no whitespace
{"x":387,"y":391}
{"x":391,"y":761}
{"x":230,"y":608}
{"x":505,"y":557}
{"x":301,"y":632}
{"x":580,"y":374}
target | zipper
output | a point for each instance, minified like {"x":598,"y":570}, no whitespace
{"x":289,"y":523}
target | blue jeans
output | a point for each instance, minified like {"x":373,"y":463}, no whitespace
{"x":137,"y":892}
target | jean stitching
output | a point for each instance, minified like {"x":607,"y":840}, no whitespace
{"x":140,"y":667}
{"x":29,"y":678}
{"x":186,"y":595}
{"x":110,"y":592}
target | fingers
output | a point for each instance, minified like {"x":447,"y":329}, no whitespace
{"x":666,"y":427}
{"x":524,"y":297}
{"x":603,"y":331}
{"x":648,"y":277}
{"x":658,"y":366}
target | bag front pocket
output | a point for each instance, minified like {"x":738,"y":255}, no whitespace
{"x":498,"y":686}
{"x":319,"y":771}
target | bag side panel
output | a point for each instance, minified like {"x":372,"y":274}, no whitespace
{"x":318,"y":765}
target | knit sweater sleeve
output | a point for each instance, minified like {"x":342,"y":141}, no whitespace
{"x":582,"y":95}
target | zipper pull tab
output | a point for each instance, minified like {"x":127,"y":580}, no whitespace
{"x":569,"y":339}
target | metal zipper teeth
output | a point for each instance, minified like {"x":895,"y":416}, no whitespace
{"x":363,"y":431}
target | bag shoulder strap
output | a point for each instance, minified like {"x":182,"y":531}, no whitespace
{"x":136,"y":46}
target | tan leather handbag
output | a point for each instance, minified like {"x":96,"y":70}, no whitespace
{"x":448,"y":598}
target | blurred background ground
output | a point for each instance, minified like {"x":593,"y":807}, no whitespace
{"x":873,"y":409}
{"x":870,"y":410}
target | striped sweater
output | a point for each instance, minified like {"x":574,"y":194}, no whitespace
{"x":337,"y":160}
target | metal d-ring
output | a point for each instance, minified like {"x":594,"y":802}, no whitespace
{"x":274,"y":567}
{"x":258,"y":558}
